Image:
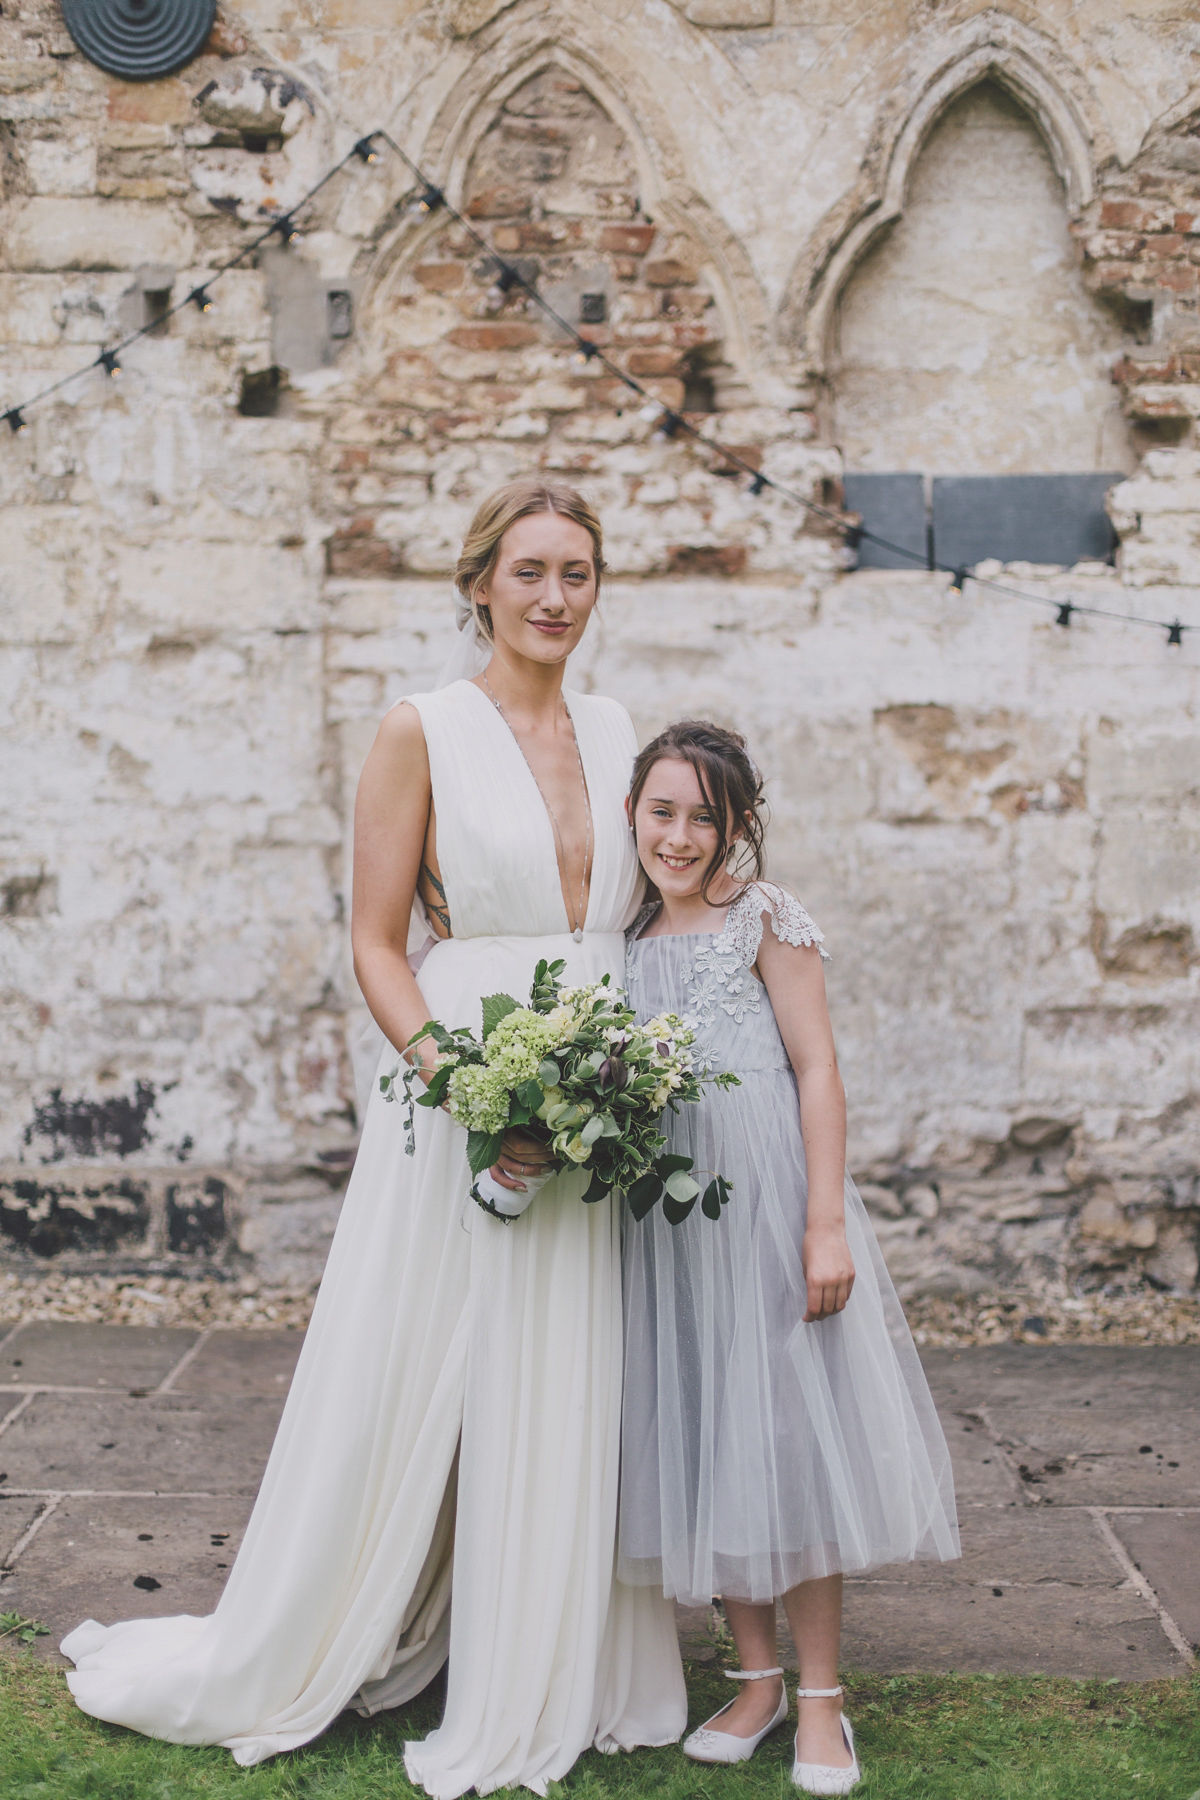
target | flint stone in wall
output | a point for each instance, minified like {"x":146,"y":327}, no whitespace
{"x":53,"y":233}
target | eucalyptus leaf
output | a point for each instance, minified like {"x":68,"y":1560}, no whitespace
{"x":643,"y":1195}
{"x":681,"y":1187}
{"x":667,"y":1165}
{"x":593,"y":1129}
{"x":710,"y":1206}
{"x":676,"y":1211}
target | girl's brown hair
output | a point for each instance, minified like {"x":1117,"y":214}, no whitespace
{"x":517,"y":500}
{"x":729,"y":783}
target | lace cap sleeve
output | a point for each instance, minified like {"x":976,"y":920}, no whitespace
{"x":789,"y":921}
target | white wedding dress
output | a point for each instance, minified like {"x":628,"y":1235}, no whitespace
{"x":444,"y":1479}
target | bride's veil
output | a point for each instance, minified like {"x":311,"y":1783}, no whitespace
{"x":471,"y":651}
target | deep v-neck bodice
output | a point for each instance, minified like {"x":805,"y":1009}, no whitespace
{"x":495,"y":840}
{"x":575,"y":897}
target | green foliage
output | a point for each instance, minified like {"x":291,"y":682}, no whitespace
{"x":577,"y":1074}
{"x":482,"y":1149}
{"x":495,"y":1008}
{"x":921,"y":1737}
{"x":25,"y":1631}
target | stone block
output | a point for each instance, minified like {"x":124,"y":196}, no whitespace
{"x":62,"y":233}
{"x":289,"y":1239}
{"x":726,"y":15}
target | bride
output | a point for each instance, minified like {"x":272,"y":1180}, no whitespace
{"x":444,"y":1479}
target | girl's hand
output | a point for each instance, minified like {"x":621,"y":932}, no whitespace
{"x":828,"y":1271}
{"x":519,"y":1155}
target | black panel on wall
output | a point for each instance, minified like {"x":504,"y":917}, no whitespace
{"x":894,"y":507}
{"x":1021,"y":518}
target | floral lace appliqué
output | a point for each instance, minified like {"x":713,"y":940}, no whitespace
{"x":720,"y":977}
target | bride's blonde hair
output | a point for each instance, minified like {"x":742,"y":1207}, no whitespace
{"x":517,"y":500}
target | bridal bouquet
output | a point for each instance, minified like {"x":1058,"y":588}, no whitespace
{"x":577,"y":1074}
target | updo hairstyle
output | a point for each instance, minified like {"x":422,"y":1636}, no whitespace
{"x":517,"y":500}
{"x":729,"y":783}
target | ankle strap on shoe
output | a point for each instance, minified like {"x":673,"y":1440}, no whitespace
{"x":751,"y":1674}
{"x":817,"y":1693}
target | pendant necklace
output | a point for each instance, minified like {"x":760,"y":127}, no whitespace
{"x":576,"y":923}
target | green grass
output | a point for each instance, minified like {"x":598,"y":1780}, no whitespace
{"x":921,"y":1737}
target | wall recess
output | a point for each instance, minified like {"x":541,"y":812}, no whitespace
{"x":140,"y":39}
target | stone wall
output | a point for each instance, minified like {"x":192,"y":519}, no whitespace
{"x":217,"y":570}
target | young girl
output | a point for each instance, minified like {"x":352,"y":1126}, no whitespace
{"x":777,"y":1429}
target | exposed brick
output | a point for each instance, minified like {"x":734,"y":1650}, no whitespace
{"x":1166,"y":244}
{"x":1178,"y":278}
{"x":498,"y":203}
{"x":652,"y":361}
{"x":440,"y":278}
{"x":1118,"y":275}
{"x":1186,"y":222}
{"x":1137,"y":215}
{"x":668,"y":271}
{"x":495,"y":334}
{"x":749,"y":455}
{"x":1129,"y":215}
{"x":628,"y":240}
{"x":551,"y":235}
{"x":357,"y":554}
{"x":706,"y":559}
{"x":1134,"y":369}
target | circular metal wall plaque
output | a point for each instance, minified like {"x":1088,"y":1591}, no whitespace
{"x":140,"y":39}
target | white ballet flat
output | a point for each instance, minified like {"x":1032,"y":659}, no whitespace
{"x":708,"y":1746}
{"x":825,"y":1778}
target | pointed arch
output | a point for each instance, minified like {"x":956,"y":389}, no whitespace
{"x":468,"y":109}
{"x":993,"y":48}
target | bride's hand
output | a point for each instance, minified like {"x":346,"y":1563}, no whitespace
{"x":519,"y":1155}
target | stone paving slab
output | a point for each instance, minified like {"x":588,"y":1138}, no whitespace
{"x":189,"y":1413}
{"x":88,"y":1556}
{"x":1165,"y":1547}
{"x":1084,"y":1425}
{"x":242,"y":1362}
{"x":173,"y":1442}
{"x":116,"y":1356}
{"x":891,"y":1627}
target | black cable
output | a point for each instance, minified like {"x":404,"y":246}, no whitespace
{"x":283,"y":226}
{"x":671,"y":423}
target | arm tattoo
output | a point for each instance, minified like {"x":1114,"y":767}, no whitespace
{"x":439,"y":912}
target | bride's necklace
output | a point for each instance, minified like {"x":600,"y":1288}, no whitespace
{"x":576,"y":923}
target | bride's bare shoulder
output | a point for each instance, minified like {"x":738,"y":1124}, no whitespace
{"x":399,"y":757}
{"x":401,"y":729}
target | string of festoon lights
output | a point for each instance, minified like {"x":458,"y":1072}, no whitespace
{"x":669,"y":423}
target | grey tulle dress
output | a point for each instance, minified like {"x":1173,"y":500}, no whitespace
{"x":759,"y":1452}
